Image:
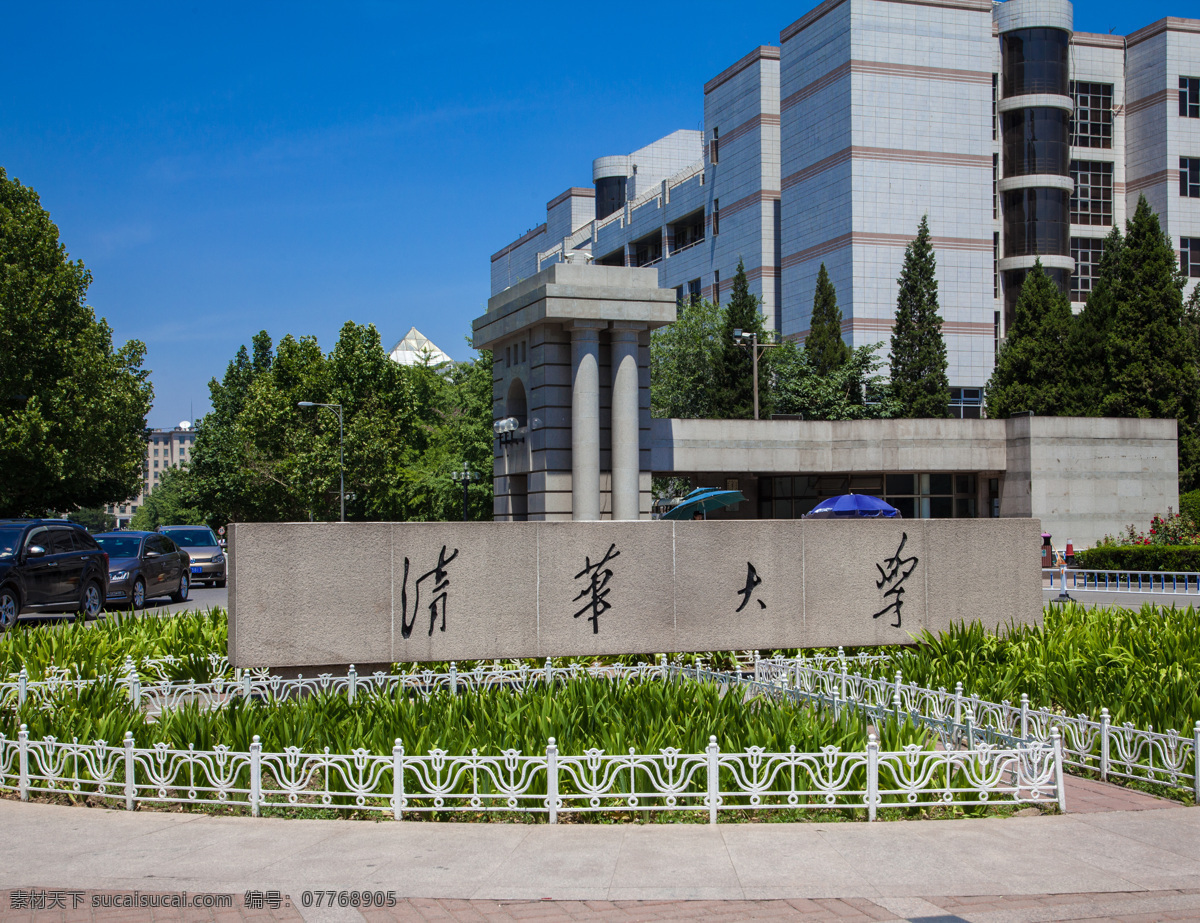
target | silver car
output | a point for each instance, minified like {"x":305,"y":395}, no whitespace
{"x":207,"y":556}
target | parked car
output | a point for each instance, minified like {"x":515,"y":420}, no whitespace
{"x":143,"y":565}
{"x":208,"y":558}
{"x":49,"y":565}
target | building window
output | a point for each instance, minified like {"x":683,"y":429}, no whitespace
{"x":966,"y":403}
{"x":1086,"y":252}
{"x":995,"y":82}
{"x":716,"y":217}
{"x":1189,"y":177}
{"x":1092,"y":202}
{"x":1189,"y":256}
{"x":1092,"y":124}
{"x":995,"y":333}
{"x":693,"y":290}
{"x":715,"y":147}
{"x":688,"y":231}
{"x":1189,"y":97}
{"x":995,"y":186}
{"x":648,"y":250}
{"x":996,"y":264}
{"x":716,"y":286}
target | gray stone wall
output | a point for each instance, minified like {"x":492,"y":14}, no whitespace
{"x":307,"y":594}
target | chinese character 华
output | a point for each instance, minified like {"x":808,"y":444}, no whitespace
{"x":437,"y":605}
{"x":597,"y":587}
{"x":897,"y":571}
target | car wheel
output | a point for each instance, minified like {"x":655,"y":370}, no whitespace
{"x":10,"y":608}
{"x":91,"y":604}
{"x":138,"y":599}
{"x":182,"y":595}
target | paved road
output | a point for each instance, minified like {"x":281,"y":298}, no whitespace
{"x":198,"y":598}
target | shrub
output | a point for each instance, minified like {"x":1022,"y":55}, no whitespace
{"x":1140,"y":557}
{"x":1189,"y":505}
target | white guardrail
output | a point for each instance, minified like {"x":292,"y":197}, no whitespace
{"x":1172,"y":583}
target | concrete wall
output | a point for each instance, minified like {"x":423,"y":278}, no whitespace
{"x":309,"y":594}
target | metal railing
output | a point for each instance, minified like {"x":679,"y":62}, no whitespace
{"x":1172,"y":583}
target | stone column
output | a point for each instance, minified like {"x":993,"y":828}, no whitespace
{"x":585,"y":421}
{"x":625,"y":434}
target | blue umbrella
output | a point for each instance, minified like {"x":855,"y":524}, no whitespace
{"x":703,"y":500}
{"x":853,"y":506}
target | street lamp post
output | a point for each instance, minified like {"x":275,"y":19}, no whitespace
{"x":749,"y":340}
{"x":341,"y":450}
{"x":466,"y":476}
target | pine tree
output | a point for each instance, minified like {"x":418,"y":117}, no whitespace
{"x":734,"y":374}
{"x":1030,"y":370}
{"x":1087,"y":363}
{"x":1149,"y":352}
{"x":919,"y":381}
{"x":824,"y":344}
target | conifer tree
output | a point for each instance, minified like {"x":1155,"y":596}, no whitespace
{"x":919,"y":381}
{"x":1087,"y":363}
{"x":1150,"y":356}
{"x":824,"y":343}
{"x":734,"y":374}
{"x":1030,"y":371}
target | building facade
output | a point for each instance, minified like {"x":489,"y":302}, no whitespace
{"x":1020,"y":139}
{"x":165,"y":448}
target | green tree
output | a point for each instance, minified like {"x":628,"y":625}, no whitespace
{"x":824,"y":341}
{"x":1030,"y":372}
{"x":1150,"y":353}
{"x":1087,"y":360}
{"x":72,"y":408}
{"x":798,"y":387}
{"x":919,"y":380}
{"x":94,"y":519}
{"x":169,"y":504}
{"x":734,"y":369}
{"x":682,"y":358}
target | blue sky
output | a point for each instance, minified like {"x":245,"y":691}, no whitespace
{"x":224,"y":168}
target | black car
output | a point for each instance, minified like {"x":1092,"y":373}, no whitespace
{"x":49,"y":565}
{"x":142,"y":565}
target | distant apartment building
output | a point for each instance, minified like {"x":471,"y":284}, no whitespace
{"x":1019,"y":138}
{"x":165,"y":448}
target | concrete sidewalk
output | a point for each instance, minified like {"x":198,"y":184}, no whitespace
{"x":49,"y":846}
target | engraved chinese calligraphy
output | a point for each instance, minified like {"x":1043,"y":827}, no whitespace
{"x":752,"y":582}
{"x":892,"y":574}
{"x":437,"y":605}
{"x":596,"y":590}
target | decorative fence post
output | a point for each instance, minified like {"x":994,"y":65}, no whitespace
{"x":845,"y":677}
{"x":1105,"y":723}
{"x":453,"y":678}
{"x":714,"y":778}
{"x":22,"y":687}
{"x":135,"y":683}
{"x":552,"y":780}
{"x":397,"y":779}
{"x":970,"y":724}
{"x":1196,"y":762}
{"x":896,"y":694}
{"x":351,"y":683}
{"x":23,"y":762}
{"x":958,"y":703}
{"x":245,"y":684}
{"x":130,"y":786}
{"x":872,"y":775}
{"x":1056,"y":743}
{"x":549,"y":672}
{"x":255,"y":775}
{"x":757,"y":668}
{"x":1024,"y":717}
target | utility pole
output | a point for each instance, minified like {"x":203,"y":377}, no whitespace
{"x":750,"y":341}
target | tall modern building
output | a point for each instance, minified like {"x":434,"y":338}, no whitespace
{"x":1019,"y":138}
{"x":165,"y":448}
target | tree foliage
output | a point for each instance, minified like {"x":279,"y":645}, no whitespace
{"x":169,"y":504}
{"x":682,"y":358}
{"x":261,"y":457}
{"x":799,"y":387}
{"x":824,"y":342}
{"x":1030,"y":373}
{"x":919,"y":382}
{"x":72,"y":408}
{"x":734,"y":369}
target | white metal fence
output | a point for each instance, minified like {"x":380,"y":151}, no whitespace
{"x":1167,"y":759}
{"x":547,"y":783}
{"x":1171,"y":583}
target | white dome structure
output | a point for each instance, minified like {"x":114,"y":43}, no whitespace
{"x":417,"y":349}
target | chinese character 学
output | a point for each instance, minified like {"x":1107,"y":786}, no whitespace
{"x":752,"y":582}
{"x":437,"y":604}
{"x":892,"y":574}
{"x":596,"y":590}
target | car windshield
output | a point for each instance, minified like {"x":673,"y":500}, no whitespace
{"x":192,"y":538}
{"x":10,"y":541}
{"x":120,"y":546}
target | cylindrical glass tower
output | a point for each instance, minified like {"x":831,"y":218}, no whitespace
{"x":611,"y":176}
{"x":1035,"y":110}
